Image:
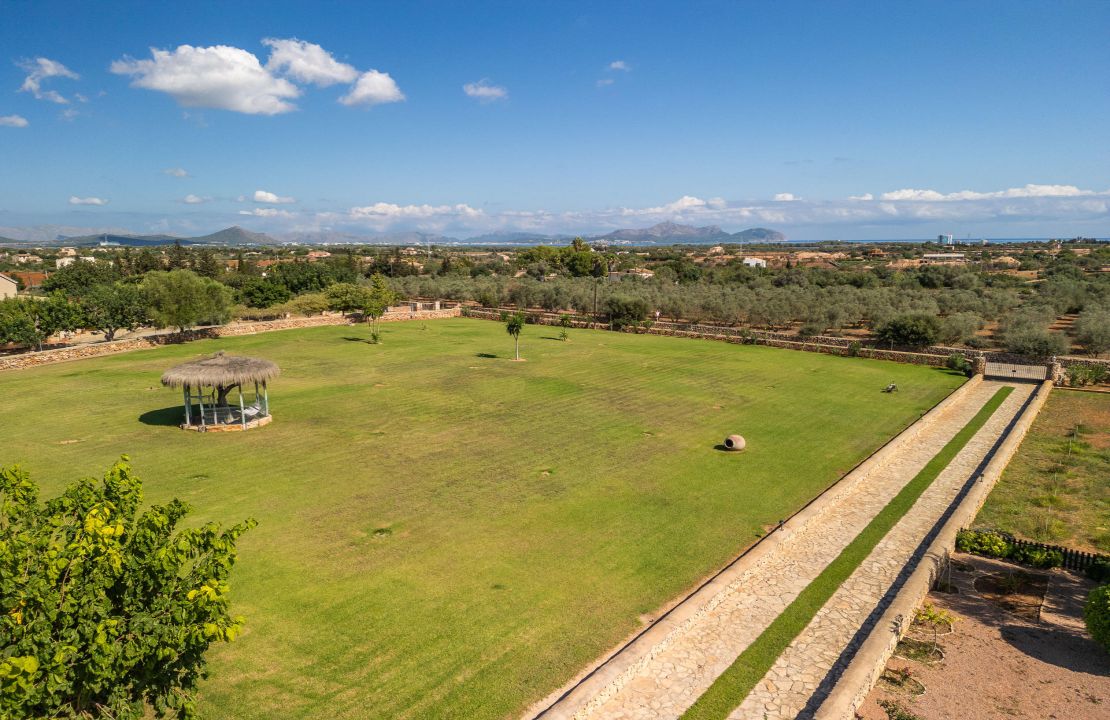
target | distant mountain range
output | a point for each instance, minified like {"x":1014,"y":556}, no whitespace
{"x":666,"y":233}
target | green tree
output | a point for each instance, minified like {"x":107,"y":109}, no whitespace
{"x":1092,"y":330}
{"x":206,"y":264}
{"x":564,"y":323}
{"x":379,"y":296}
{"x":263,"y":293}
{"x":625,"y":310}
{"x":106,"y":612}
{"x":79,"y":277}
{"x":181,"y":299}
{"x":1035,"y":343}
{"x":115,"y":307}
{"x":178,"y":257}
{"x":913,"y":330}
{"x":31,"y":321}
{"x":514,"y":323}
{"x":347,"y":298}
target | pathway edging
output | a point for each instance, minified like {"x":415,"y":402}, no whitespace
{"x":863,"y":671}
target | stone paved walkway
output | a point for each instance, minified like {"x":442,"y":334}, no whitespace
{"x":681,"y":668}
{"x":790,"y":689}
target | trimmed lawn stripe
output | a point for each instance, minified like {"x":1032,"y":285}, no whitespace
{"x":729,"y":690}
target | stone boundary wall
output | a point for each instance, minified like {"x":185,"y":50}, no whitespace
{"x":736,"y":336}
{"x":863,"y":671}
{"x":79,"y":352}
{"x":602,"y":679}
{"x":934,"y":355}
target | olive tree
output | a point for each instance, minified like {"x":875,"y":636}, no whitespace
{"x":181,"y":299}
{"x":111,"y":308}
{"x":106,"y":611}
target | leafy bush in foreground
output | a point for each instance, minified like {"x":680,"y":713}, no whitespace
{"x":103,"y":610}
{"x":1096,"y":613}
{"x":992,"y":544}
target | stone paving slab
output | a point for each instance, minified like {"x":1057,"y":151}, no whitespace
{"x":679,"y":670}
{"x":803,"y":674}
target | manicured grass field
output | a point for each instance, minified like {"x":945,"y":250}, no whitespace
{"x":447,"y":534}
{"x":1057,"y":488}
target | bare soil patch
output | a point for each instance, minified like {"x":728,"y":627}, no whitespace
{"x":998,"y":664}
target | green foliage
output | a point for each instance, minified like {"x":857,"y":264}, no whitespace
{"x":347,"y":297}
{"x":77,"y":278}
{"x":309,"y":304}
{"x":959,"y":363}
{"x":514,"y":323}
{"x":1099,"y":570}
{"x":259,"y":292}
{"x":1092,"y":330}
{"x":105,"y":610}
{"x":625,"y":310}
{"x":301,"y":277}
{"x":1036,"y":557}
{"x":1080,"y":375}
{"x":181,"y":299}
{"x":1096,"y":613}
{"x":115,"y":307}
{"x":983,"y":542}
{"x":854,"y":348}
{"x":913,"y":330}
{"x":30,"y":321}
{"x":1035,"y":343}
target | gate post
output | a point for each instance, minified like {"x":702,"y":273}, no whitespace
{"x":1056,"y":372}
{"x":979,"y":367}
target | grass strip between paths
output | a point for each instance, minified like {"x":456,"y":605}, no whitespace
{"x":729,"y":690}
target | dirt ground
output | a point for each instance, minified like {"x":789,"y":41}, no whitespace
{"x":1004,"y":663}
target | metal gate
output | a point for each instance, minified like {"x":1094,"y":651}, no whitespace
{"x":1016,"y":372}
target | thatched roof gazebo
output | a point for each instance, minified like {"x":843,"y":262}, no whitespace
{"x":207,"y":382}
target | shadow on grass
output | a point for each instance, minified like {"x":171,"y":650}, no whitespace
{"x":357,"y":339}
{"x":719,"y":447}
{"x":166,"y":417}
{"x":550,"y":337}
{"x":486,"y":355}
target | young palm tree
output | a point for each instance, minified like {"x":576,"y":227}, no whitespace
{"x":514,"y":324}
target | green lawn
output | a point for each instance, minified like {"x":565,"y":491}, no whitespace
{"x":1057,"y":488}
{"x":451,"y":535}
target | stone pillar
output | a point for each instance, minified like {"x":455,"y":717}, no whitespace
{"x":435,"y":306}
{"x":980,"y":365}
{"x":1056,"y":373}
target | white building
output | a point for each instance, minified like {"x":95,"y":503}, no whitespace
{"x":755,"y":262}
{"x":8,"y":287}
{"x":63,"y":261}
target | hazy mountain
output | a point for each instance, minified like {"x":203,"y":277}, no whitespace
{"x":234,"y":235}
{"x":758,"y":235}
{"x":121,"y":239}
{"x":666,"y":232}
{"x":55,"y":234}
{"x":510,"y":237}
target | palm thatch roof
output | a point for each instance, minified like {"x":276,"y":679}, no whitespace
{"x":220,"y":369}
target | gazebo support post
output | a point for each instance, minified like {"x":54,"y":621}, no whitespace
{"x":188,"y":420}
{"x":242,"y":411}
{"x":266,"y":398}
{"x":200,"y":399}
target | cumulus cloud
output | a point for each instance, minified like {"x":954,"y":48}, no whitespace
{"x":620,"y":65}
{"x":177,"y":172}
{"x":192,"y":199}
{"x":267,"y":213}
{"x":785,"y":197}
{"x":390,"y":211}
{"x":484,"y":92}
{"x":604,"y":82}
{"x":222,"y":77}
{"x":41,"y":69}
{"x":262,"y":196}
{"x":13,"y":121}
{"x":307,"y":62}
{"x":862,"y":198}
{"x":373,"y":88}
{"x":74,"y":200}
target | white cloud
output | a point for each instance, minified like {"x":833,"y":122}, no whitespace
{"x":177,"y":172}
{"x":604,"y":81}
{"x":485,"y":92}
{"x":865,"y":197}
{"x":683,"y":204}
{"x":267,"y":212}
{"x":262,"y":196}
{"x":1028,"y":191}
{"x":221,"y":77}
{"x":74,"y":200}
{"x":192,"y":199}
{"x":373,"y":88}
{"x":390,"y":211}
{"x":13,"y":121}
{"x":620,"y":65}
{"x":41,"y":69}
{"x":307,"y":62}
{"x":785,"y":197}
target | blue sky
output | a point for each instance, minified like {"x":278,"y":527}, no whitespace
{"x":821,"y":119}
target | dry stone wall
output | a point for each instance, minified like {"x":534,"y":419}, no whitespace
{"x":79,"y":352}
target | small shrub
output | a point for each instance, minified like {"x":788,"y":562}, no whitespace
{"x":983,"y":542}
{"x":1096,"y":613}
{"x":894,"y":711}
{"x":1099,"y":570}
{"x":959,"y":363}
{"x":854,"y":348}
{"x":1036,"y":557}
